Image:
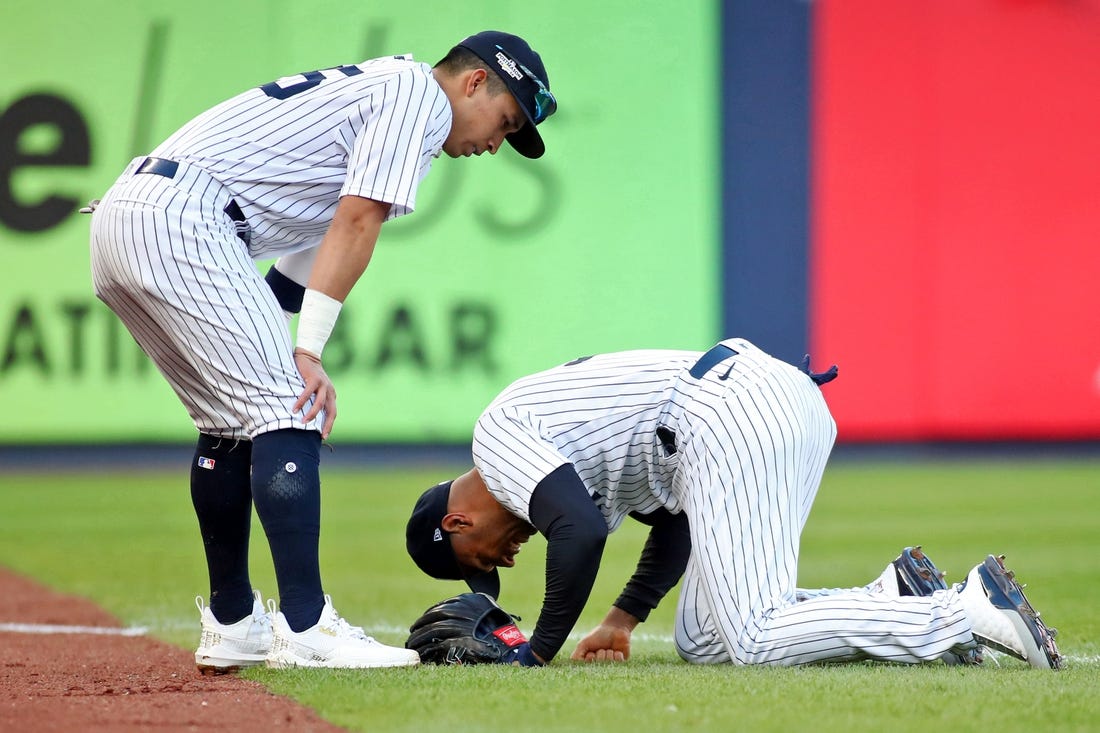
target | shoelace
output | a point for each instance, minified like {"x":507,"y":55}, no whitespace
{"x":341,"y":624}
{"x":264,"y":620}
{"x":263,"y":617}
{"x":349,"y":630}
{"x":346,"y":628}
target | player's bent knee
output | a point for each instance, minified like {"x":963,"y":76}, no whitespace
{"x":285,"y":462}
{"x":694,"y":651}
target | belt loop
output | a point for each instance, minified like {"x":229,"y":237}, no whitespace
{"x":169,"y":168}
{"x":158,"y":167}
{"x":244,"y":230}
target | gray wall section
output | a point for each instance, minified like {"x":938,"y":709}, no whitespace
{"x":765,"y":173}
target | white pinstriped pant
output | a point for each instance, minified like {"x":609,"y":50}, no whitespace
{"x":167,"y":260}
{"x":752,"y":449}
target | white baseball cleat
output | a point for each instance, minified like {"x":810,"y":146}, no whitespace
{"x":1003,"y":619}
{"x":332,"y":643}
{"x":229,"y":647}
{"x":913,"y":573}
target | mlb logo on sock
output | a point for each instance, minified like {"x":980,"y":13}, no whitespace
{"x":207,"y":463}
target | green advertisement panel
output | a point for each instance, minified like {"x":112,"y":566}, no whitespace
{"x":508,"y":265}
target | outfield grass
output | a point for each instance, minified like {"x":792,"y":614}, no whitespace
{"x":129,"y":542}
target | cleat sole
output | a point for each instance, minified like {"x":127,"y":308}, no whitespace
{"x":1006,"y":594}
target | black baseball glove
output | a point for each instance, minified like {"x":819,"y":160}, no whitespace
{"x":467,"y":629}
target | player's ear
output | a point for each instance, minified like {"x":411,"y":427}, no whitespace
{"x":476,"y":78}
{"x":455,"y":522}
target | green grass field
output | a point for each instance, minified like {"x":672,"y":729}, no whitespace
{"x":128,"y":541}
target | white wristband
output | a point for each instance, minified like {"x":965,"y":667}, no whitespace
{"x":315,"y":322}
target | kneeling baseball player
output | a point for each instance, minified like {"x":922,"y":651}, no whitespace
{"x":721,"y":454}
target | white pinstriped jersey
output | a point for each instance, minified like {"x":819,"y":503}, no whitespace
{"x":168,"y":259}
{"x":752,"y":437}
{"x":600,"y":414}
{"x":289,"y":149}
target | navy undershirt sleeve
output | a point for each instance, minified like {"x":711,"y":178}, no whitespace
{"x":663,"y":560}
{"x":575,"y":530}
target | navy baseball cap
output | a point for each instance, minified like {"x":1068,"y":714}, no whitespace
{"x":525,"y":76}
{"x":430,"y":547}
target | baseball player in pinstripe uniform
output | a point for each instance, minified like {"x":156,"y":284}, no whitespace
{"x":721,"y":453}
{"x":307,"y":169}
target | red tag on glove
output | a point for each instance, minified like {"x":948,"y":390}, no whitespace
{"x":510,"y":635}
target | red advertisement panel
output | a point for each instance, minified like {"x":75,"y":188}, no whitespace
{"x":956,"y":217}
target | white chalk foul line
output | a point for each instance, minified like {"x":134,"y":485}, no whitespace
{"x":375,"y":629}
{"x":55,"y":629}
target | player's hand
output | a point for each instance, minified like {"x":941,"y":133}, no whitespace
{"x":605,"y":643}
{"x":319,"y":387}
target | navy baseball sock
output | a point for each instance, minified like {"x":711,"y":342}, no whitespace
{"x":222,"y":496}
{"x":286,"y":488}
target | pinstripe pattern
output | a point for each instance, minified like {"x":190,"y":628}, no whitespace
{"x":167,"y":259}
{"x":753,"y":436}
{"x":287,"y":161}
{"x":600,"y":415}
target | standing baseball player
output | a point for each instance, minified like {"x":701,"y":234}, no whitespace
{"x":721,"y":453}
{"x":306,"y":168}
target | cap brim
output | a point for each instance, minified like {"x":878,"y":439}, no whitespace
{"x":487,"y":583}
{"x":526,"y":140}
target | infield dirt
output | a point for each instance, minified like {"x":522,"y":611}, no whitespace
{"x":104,"y":682}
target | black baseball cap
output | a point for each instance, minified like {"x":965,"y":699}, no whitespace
{"x":525,"y":76}
{"x":430,"y":547}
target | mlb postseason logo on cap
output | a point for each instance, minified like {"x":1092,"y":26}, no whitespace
{"x":438,"y":536}
{"x":508,"y":66}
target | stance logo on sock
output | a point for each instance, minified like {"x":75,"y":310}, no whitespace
{"x":291,"y":467}
{"x":207,"y":463}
